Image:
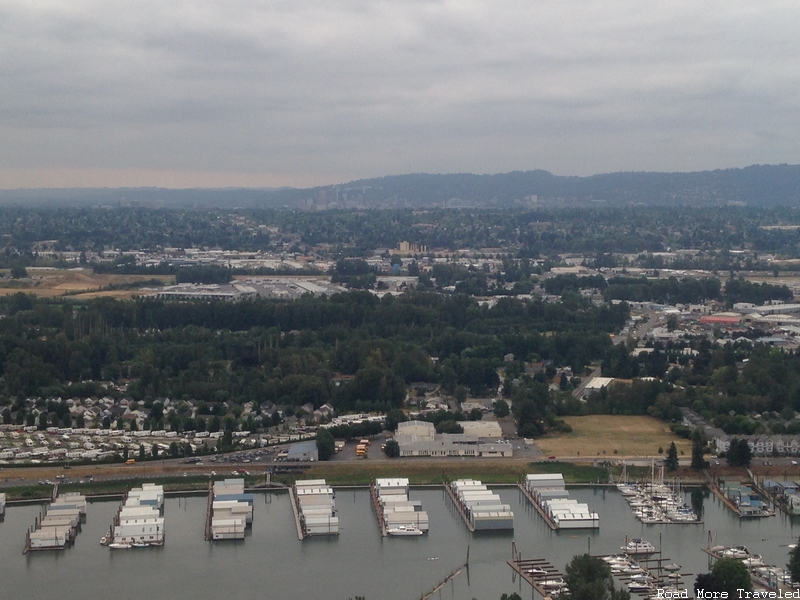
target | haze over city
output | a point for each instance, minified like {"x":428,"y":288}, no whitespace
{"x":304,"y":93}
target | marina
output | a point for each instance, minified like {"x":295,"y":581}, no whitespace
{"x":189,"y":567}
{"x":540,"y":575}
{"x":548,"y":493}
{"x":764,"y":576}
{"x":655,"y":502}
{"x":742,"y":499}
{"x":646,"y":576}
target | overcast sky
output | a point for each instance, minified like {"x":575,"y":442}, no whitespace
{"x":182,"y":93}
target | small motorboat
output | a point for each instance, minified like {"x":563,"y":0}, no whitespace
{"x":639,"y":586}
{"x":537,"y":572}
{"x":140,"y":545}
{"x":553,"y":583}
{"x":672,"y":567}
{"x":119,"y":546}
{"x":103,"y":540}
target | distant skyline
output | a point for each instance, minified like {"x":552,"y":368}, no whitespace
{"x":313,"y":92}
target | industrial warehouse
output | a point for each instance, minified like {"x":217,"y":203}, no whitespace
{"x":419,"y":438}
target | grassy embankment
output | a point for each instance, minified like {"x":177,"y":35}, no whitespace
{"x":424,"y":473}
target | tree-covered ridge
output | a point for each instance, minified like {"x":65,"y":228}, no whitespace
{"x":759,"y":185}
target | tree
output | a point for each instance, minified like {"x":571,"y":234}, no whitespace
{"x":18,"y":272}
{"x":501,"y":409}
{"x":698,"y":444}
{"x":705,"y":582}
{"x":731,"y":575}
{"x":392,"y":449}
{"x":739,"y":453}
{"x":141,"y":452}
{"x":393,"y":417}
{"x":793,"y":566}
{"x":326,"y":445}
{"x":672,"y":458}
{"x":460,"y":393}
{"x":449,"y":426}
{"x":475,"y":414}
{"x":589,"y":578}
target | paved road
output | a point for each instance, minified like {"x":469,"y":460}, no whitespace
{"x":645,"y":328}
{"x":578,"y":391}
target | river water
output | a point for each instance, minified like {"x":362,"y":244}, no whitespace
{"x":272,"y":563}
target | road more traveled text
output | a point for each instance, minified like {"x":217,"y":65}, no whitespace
{"x":741,"y":593}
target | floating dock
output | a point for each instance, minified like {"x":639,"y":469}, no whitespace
{"x":296,"y":512}
{"x":539,"y":574}
{"x":315,"y":508}
{"x":376,"y":504}
{"x":231,"y":510}
{"x":742,"y":500}
{"x":397,"y":514}
{"x":480,"y":508}
{"x":58,"y":526}
{"x":645,"y":575}
{"x":138,"y":522}
{"x":548,"y":493}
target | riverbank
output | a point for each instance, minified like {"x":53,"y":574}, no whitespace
{"x":110,"y":480}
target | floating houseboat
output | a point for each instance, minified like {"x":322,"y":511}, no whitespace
{"x":482,"y":508}
{"x":231,"y":510}
{"x":549,"y":493}
{"x":138,"y":522}
{"x":59,"y":525}
{"x":316,"y":507}
{"x":398,"y":515}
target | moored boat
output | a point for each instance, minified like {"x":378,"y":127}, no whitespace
{"x":119,"y":546}
{"x":404,"y":530}
{"x":639,"y":546}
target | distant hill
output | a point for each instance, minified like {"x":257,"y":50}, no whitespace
{"x":757,"y":185}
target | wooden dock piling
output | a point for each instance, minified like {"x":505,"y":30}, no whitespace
{"x":548,"y":519}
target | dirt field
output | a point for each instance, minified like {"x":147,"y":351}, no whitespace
{"x":610,"y":435}
{"x":78,"y":284}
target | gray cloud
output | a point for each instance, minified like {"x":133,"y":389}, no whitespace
{"x":312,"y":91}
